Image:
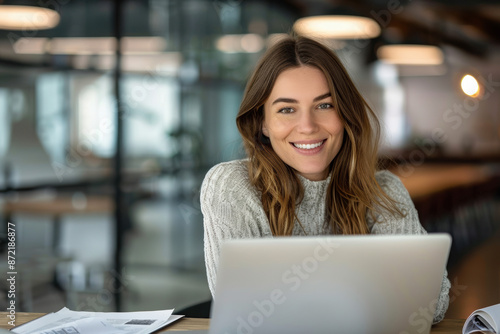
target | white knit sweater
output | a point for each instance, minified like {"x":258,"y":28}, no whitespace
{"x":232,"y":209}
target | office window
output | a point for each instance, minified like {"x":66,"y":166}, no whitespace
{"x":95,"y":115}
{"x":51,"y":111}
{"x":150,"y":110}
{"x":4,"y":123}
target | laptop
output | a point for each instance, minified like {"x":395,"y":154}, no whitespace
{"x":329,"y":284}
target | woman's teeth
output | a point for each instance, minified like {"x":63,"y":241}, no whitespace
{"x":308,"y":146}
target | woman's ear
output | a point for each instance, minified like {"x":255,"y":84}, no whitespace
{"x":264,"y":129}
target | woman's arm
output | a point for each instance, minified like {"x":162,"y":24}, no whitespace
{"x":231,"y":210}
{"x":409,"y":224}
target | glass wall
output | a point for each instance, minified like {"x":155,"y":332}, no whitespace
{"x":182,"y":69}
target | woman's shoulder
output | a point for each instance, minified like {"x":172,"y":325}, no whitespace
{"x":228,"y":177}
{"x":384,"y":177}
{"x":388,"y":223}
{"x":237,"y":166}
{"x":391,"y":184}
{"x":227,"y":172}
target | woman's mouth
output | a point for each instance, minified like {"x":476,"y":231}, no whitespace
{"x":308,"y":146}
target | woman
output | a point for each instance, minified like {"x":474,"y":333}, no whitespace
{"x":311,"y":141}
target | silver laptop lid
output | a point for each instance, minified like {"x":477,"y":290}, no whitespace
{"x":341,"y":284}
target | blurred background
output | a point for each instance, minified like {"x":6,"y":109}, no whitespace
{"x":103,"y":148}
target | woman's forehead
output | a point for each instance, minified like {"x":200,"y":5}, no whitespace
{"x":303,"y":81}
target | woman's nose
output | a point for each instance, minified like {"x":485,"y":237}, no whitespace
{"x":307,"y":123}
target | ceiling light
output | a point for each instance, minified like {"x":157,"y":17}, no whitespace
{"x":410,"y":54}
{"x":248,"y":43}
{"x":275,"y":38}
{"x":143,"y":45}
{"x":82,"y":45}
{"x":32,"y":46}
{"x":252,"y":43}
{"x":337,"y":27}
{"x":470,"y":86}
{"x":27,"y":18}
{"x":167,"y":63}
{"x":90,"y":45}
{"x":421,"y":70}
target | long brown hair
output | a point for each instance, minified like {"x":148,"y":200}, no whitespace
{"x":353,"y":189}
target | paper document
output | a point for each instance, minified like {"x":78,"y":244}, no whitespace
{"x":483,"y":321}
{"x":66,"y":321}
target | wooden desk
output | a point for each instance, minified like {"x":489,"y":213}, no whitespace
{"x":448,"y":326}
{"x":60,"y":205}
{"x":56,"y":207}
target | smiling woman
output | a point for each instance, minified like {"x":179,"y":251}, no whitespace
{"x":300,"y":94}
{"x":311,"y":141}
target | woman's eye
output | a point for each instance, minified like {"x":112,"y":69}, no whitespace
{"x":286,"y":110}
{"x":325,"y":106}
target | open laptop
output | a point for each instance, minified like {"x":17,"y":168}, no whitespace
{"x":329,"y":284}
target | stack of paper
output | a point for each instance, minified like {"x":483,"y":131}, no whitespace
{"x":72,"y":322}
{"x":485,"y":320}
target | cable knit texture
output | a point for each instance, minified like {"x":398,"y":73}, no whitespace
{"x":232,"y":209}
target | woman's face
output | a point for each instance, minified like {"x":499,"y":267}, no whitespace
{"x":304,"y":129}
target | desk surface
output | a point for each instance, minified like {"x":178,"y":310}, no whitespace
{"x":448,"y":326}
{"x":60,"y":205}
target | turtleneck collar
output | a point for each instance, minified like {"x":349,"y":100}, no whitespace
{"x":315,"y":186}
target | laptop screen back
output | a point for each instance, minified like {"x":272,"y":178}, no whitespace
{"x":341,"y":284}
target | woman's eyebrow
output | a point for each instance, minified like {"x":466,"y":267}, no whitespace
{"x":290,"y":100}
{"x":285,"y":99}
{"x":321,"y":97}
